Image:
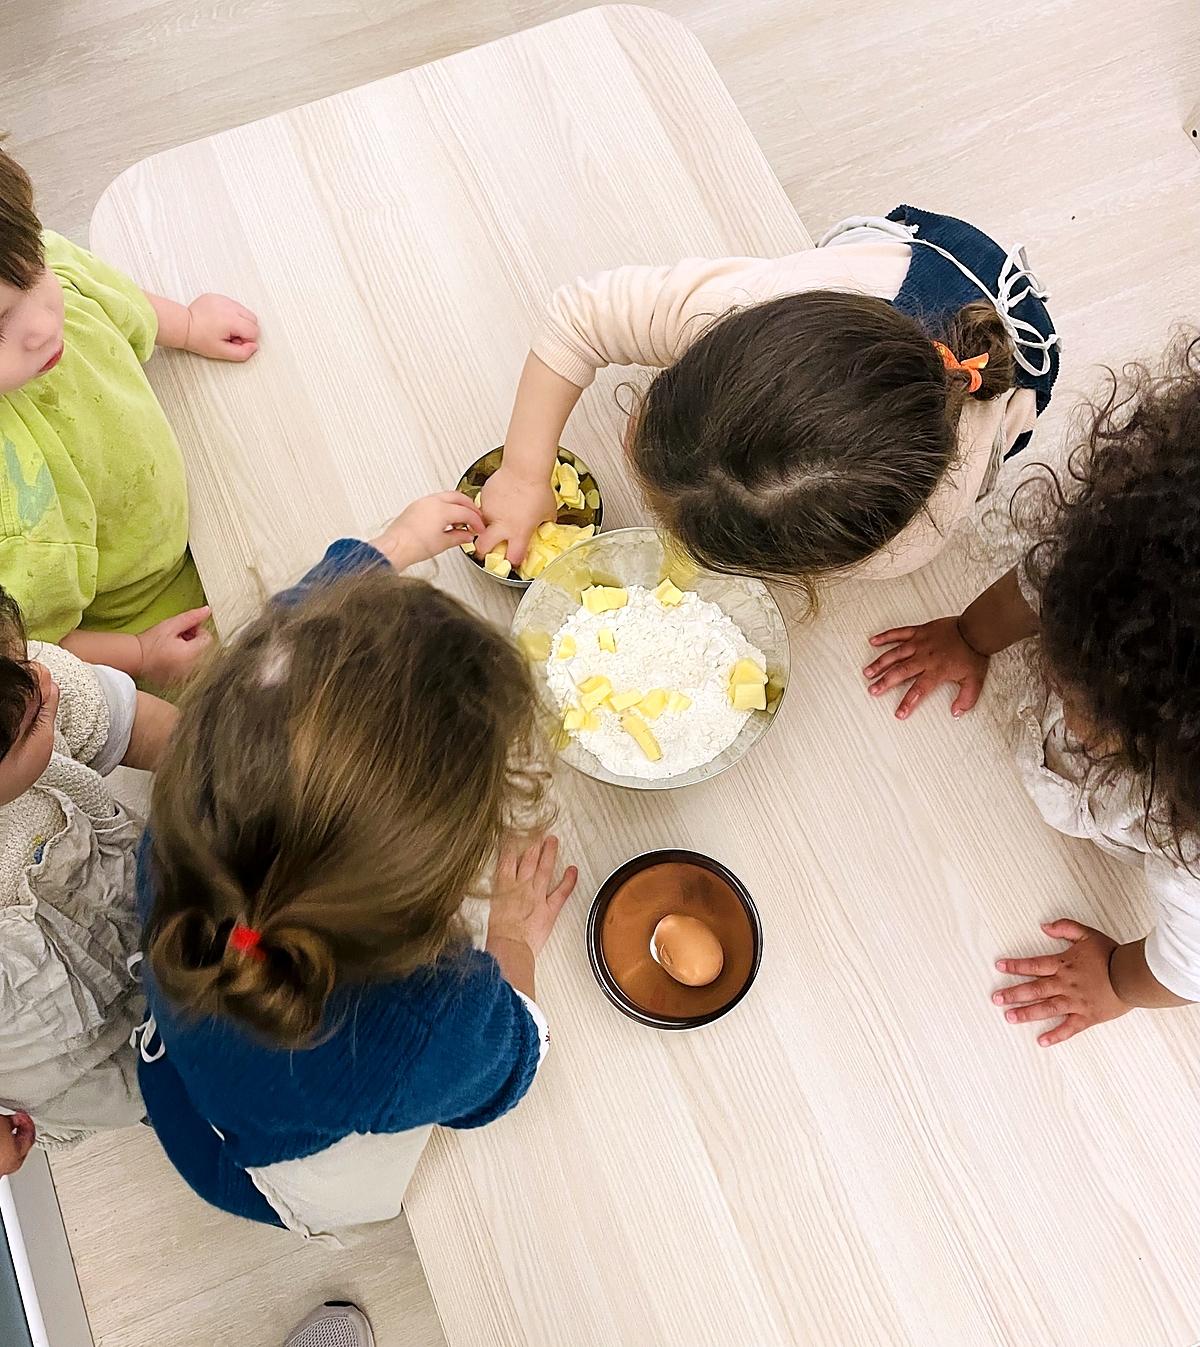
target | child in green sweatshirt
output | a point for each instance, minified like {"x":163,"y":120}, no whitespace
{"x":93,"y":500}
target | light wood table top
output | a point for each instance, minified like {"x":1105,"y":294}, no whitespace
{"x":863,"y":1153}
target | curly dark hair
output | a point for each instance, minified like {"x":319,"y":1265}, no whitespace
{"x":1117,"y":568}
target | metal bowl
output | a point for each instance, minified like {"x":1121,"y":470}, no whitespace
{"x":643,"y":556}
{"x":595,"y":944}
{"x":483,"y":467}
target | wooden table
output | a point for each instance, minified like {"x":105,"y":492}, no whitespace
{"x":863,"y":1153}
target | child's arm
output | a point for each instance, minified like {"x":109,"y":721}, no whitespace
{"x":211,"y":325}
{"x":429,"y":526}
{"x":524,"y":908}
{"x":518,"y":496}
{"x":1093,"y":980}
{"x":952,"y":649}
{"x":153,"y":724}
{"x":164,"y":654}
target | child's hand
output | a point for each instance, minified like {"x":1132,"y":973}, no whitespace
{"x":220,"y":328}
{"x":1072,"y":987}
{"x":172,"y":649}
{"x":17,"y":1135}
{"x":930,"y":655}
{"x":526,"y":901}
{"x":513,"y":507}
{"x":429,"y":526}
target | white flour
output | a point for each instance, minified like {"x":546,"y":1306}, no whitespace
{"x":689,"y":648}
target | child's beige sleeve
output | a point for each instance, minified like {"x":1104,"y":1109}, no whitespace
{"x":645,"y":315}
{"x":84,"y":718}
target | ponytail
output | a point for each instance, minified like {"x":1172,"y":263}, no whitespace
{"x":978,"y":329}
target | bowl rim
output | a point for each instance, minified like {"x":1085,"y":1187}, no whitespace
{"x":654,"y":783}
{"x":604,"y":895}
{"x":505,"y":579}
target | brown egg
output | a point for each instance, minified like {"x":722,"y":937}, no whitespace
{"x":687,"y":949}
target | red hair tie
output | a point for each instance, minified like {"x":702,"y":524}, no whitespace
{"x":246,"y":940}
{"x":972,"y":368}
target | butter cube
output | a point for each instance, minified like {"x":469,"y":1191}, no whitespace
{"x":750,"y":696}
{"x":677,"y":702}
{"x":546,"y":530}
{"x":495,"y":565}
{"x":574,"y":718}
{"x":622,"y":701}
{"x":566,"y":646}
{"x":568,"y":479}
{"x":592,"y":499}
{"x":637,"y":727}
{"x":469,"y":549}
{"x":607,"y":639}
{"x":535,"y":644}
{"x":746,"y":671}
{"x":654,"y":703}
{"x":669,"y":594}
{"x":604,"y":598}
{"x":594,"y":691}
{"x":591,"y":721}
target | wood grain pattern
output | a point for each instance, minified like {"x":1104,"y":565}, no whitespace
{"x":863,"y":1152}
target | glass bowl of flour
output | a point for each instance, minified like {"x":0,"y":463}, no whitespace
{"x":599,"y":627}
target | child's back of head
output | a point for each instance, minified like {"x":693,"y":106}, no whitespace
{"x":798,"y":437}
{"x":339,"y":779}
{"x":21,"y":260}
{"x":1117,"y":569}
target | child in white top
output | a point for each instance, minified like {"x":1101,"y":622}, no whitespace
{"x":68,"y":1003}
{"x":839,"y":409}
{"x":1110,"y":739}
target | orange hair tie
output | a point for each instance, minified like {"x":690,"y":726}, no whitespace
{"x":246,"y":941}
{"x":972,"y":368}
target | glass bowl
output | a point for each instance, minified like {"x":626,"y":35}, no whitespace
{"x":644,"y":556}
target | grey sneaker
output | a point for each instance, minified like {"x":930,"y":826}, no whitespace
{"x":336,"y":1324}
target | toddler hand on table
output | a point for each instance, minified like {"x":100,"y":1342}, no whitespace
{"x":429,"y":526}
{"x":1073,"y":987}
{"x":524,"y":907}
{"x":925,"y":657}
{"x":17,"y":1135}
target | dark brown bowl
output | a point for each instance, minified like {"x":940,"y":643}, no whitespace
{"x":595,"y":943}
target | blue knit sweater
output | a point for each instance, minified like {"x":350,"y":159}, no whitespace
{"x":456,"y":1046}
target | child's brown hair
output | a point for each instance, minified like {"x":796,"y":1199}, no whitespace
{"x":18,"y":682}
{"x":797,"y":437}
{"x":339,"y":778}
{"x":1116,"y":565}
{"x":21,"y":258}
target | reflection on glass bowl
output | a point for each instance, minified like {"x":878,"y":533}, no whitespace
{"x":643,"y":556}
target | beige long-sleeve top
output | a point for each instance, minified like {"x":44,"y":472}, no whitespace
{"x":651,"y":315}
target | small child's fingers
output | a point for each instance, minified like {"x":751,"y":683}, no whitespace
{"x":547,"y":862}
{"x":492,"y":536}
{"x":905,"y":650}
{"x":464,"y":516}
{"x":893,"y":636}
{"x":915,"y":696}
{"x":1072,"y":1025}
{"x":968,"y":695}
{"x":1064,"y":929}
{"x":181,"y":622}
{"x":1052,"y":1008}
{"x":238,"y":351}
{"x":1041,"y":966}
{"x":455,"y":498}
{"x":1022,"y":993}
{"x":527,"y":866}
{"x":897,"y":674}
{"x":564,"y":888}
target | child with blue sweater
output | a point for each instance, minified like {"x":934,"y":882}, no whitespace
{"x":342,"y":777}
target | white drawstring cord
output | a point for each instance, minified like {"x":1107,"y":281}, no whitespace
{"x":148,"y":1028}
{"x":1016,"y":269}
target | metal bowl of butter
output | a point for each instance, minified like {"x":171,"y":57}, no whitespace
{"x":645,"y":556}
{"x":580,"y":515}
